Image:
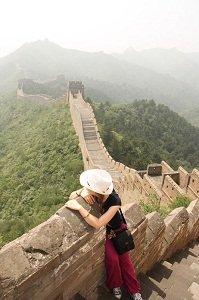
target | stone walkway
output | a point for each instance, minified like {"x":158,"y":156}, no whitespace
{"x":90,"y":136}
{"x":174,"y":279}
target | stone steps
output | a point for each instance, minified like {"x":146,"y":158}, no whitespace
{"x":175,"y":279}
{"x":90,"y":135}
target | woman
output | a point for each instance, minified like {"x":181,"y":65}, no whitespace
{"x":98,"y":186}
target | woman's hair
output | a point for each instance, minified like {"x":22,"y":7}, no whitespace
{"x":99,"y":199}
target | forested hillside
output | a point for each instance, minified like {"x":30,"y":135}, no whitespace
{"x":193,"y":116}
{"x":143,"y":132}
{"x":40,"y":160}
{"x":40,"y":163}
{"x":53,"y":89}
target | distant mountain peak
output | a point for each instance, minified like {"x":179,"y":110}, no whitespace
{"x":40,"y":43}
{"x":130,"y":50}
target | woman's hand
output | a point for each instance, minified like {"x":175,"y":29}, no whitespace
{"x":73,"y":204}
{"x":75,"y":194}
{"x":90,"y":199}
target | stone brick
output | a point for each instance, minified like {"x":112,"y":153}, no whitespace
{"x":194,"y":290}
{"x":193,"y":225}
{"x":98,"y":275}
{"x":149,"y":236}
{"x":39,"y":283}
{"x":75,"y":221}
{"x":46,"y":237}
{"x":134,"y":213}
{"x":155,"y":223}
{"x":69,"y":249}
{"x":14,"y":264}
{"x":177,"y":218}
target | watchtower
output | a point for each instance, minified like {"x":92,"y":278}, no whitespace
{"x":75,"y":87}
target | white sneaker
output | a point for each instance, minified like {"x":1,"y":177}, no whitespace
{"x":117,"y":292}
{"x":137,"y":296}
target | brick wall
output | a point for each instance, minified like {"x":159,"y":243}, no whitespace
{"x":184,"y":177}
{"x":193,"y":187}
{"x":64,"y":256}
{"x":171,"y":189}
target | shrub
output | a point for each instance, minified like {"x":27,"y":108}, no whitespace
{"x":153,"y":204}
{"x":180,"y":201}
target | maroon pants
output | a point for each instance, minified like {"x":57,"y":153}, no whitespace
{"x":120,"y":270}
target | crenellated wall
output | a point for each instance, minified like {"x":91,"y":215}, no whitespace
{"x":150,"y":187}
{"x":193,"y":186}
{"x":64,"y":256}
{"x":153,"y":181}
{"x":171,"y":189}
{"x":184,"y":177}
{"x":37,"y":98}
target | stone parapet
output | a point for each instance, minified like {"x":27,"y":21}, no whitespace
{"x":153,"y":241}
{"x":171,"y":189}
{"x":193,"y":225}
{"x":150,"y":187}
{"x":184,"y":177}
{"x":166,"y":168}
{"x":176,"y":232}
{"x":41,"y":257}
{"x":129,"y":179}
{"x":138,"y":183}
{"x":65,"y":256}
{"x":193,"y":187}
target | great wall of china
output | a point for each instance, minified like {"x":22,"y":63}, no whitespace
{"x":63,"y":258}
{"x":159,"y":179}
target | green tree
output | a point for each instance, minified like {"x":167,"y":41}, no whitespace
{"x":40,"y":163}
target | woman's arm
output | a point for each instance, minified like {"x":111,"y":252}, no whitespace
{"x":90,"y":219}
{"x":90,"y":199}
{"x":99,"y":222}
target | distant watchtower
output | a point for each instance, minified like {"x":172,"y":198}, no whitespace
{"x":75,"y":87}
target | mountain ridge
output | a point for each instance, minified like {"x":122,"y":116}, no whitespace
{"x":43,"y":60}
{"x":180,"y":65}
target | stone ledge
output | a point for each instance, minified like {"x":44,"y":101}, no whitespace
{"x":134,"y":215}
{"x":155,"y":222}
{"x":13,"y":263}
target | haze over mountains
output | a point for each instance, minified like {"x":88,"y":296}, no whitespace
{"x":39,"y":153}
{"x":167,"y":76}
{"x":181,"y":66}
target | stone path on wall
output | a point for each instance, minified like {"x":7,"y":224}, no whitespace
{"x":96,"y":152}
{"x":91,"y":140}
{"x":174,"y":279}
{"x":157,"y":181}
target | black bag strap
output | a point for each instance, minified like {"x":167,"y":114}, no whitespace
{"x":122,"y":216}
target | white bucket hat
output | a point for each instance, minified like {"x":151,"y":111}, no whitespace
{"x":97,"y":180}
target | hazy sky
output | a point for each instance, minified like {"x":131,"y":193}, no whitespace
{"x":100,"y":25}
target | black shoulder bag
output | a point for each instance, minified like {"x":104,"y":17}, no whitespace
{"x":123,"y":240}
